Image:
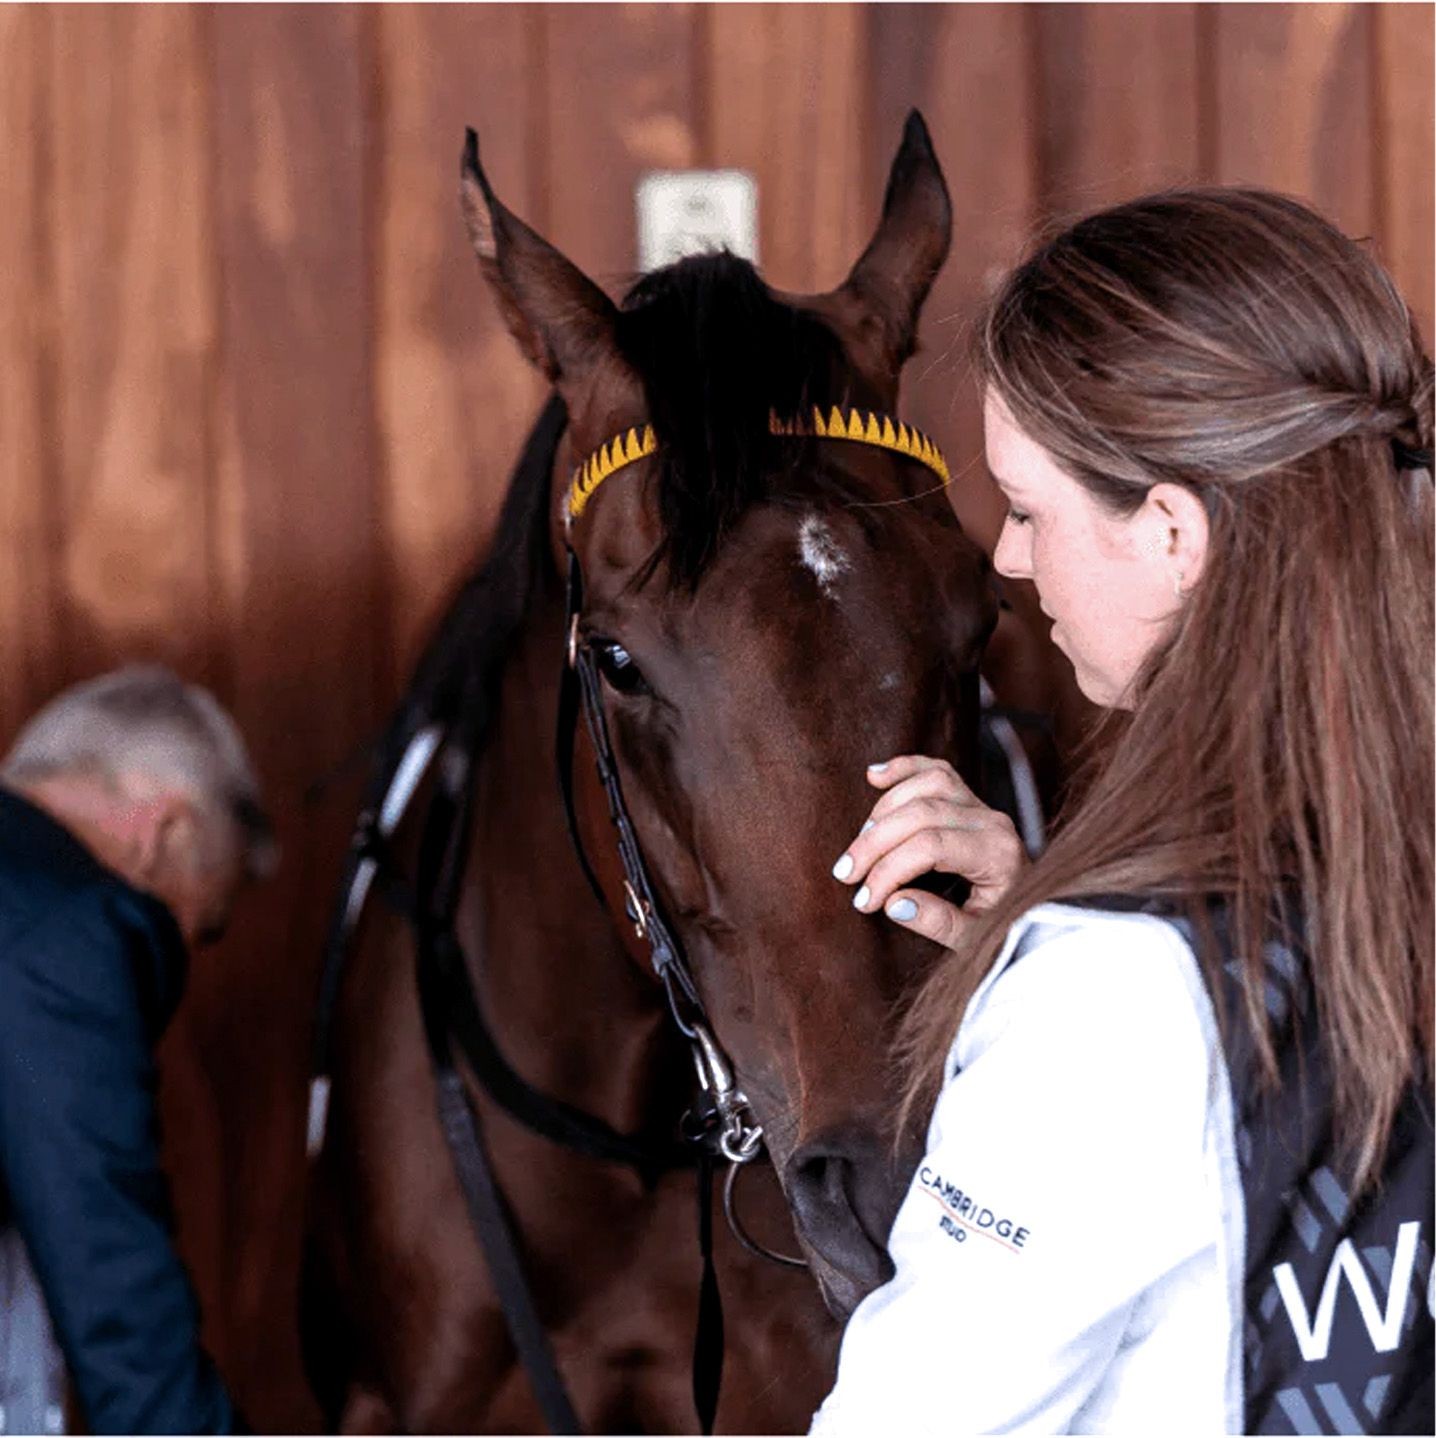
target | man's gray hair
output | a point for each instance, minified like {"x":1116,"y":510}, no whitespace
{"x":144,"y":720}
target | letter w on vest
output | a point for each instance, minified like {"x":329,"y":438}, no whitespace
{"x":1313,"y":1335}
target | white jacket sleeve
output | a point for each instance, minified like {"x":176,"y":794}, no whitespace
{"x":1063,"y":1176}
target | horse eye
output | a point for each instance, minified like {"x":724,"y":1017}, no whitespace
{"x":616,"y":665}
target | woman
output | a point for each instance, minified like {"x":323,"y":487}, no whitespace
{"x":1179,"y":1165}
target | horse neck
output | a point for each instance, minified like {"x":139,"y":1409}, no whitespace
{"x":571,"y":1010}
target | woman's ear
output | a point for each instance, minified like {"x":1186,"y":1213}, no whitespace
{"x":1177,"y":530}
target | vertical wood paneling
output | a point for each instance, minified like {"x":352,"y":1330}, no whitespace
{"x":27,"y":612}
{"x":257,"y":411}
{"x":301,"y":620}
{"x":454,"y":395}
{"x":1294,"y":104}
{"x":296,"y":448}
{"x":1119,"y":98}
{"x":787,"y":100}
{"x":619,"y":99}
{"x":135,"y":308}
{"x":1403,"y":152}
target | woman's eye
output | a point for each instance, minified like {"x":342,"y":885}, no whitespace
{"x":1017,"y":516}
{"x":616,"y":665}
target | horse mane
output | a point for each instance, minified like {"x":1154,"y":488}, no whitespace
{"x":716,"y":354}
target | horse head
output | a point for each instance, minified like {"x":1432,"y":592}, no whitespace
{"x":769,"y":611}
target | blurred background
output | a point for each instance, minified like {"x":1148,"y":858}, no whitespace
{"x":257,"y":412}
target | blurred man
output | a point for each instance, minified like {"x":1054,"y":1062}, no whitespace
{"x":129,"y":818}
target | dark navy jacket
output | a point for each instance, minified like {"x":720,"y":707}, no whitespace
{"x":90,"y":973}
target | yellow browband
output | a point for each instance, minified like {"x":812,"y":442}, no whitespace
{"x":862,"y":426}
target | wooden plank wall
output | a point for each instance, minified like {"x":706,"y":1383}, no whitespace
{"x":256,"y":413}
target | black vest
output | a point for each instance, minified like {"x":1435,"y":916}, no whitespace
{"x":1338,"y":1297}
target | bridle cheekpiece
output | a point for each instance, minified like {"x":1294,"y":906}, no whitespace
{"x":856,"y":425}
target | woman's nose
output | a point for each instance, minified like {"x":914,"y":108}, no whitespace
{"x":1010,"y":558}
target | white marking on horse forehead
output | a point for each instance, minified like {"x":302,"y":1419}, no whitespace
{"x":821,"y":552}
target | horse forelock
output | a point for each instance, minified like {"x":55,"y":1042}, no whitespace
{"x":717,"y":354}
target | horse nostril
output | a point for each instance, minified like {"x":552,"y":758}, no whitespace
{"x":820,"y":1180}
{"x":843,"y":1197}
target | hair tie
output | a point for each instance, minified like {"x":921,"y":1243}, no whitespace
{"x":1407,"y":457}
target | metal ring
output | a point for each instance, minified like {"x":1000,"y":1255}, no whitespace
{"x":636,"y":910}
{"x":740,"y":1145}
{"x":730,"y":1212}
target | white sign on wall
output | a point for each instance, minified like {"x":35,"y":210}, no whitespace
{"x":691,"y":212}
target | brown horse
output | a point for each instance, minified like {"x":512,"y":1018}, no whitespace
{"x":769,"y":612}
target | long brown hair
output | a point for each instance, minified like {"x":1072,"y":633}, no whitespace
{"x":1281,"y":743}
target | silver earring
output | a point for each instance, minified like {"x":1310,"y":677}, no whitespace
{"x":1177,"y":581}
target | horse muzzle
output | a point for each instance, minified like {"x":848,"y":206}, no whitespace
{"x":844,"y":1187}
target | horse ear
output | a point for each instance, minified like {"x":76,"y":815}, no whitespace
{"x":561,"y":319}
{"x":894,"y":274}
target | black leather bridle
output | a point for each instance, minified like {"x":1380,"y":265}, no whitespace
{"x":719,"y":1126}
{"x":728,"y":1126}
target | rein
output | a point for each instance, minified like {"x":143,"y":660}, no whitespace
{"x":719,"y":1126}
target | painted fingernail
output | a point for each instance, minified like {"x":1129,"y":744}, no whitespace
{"x":867,"y":826}
{"x":878,"y":768}
{"x":843,"y":867}
{"x":860,"y":899}
{"x":902,"y":910}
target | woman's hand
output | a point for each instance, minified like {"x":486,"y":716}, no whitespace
{"x":929,"y":819}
